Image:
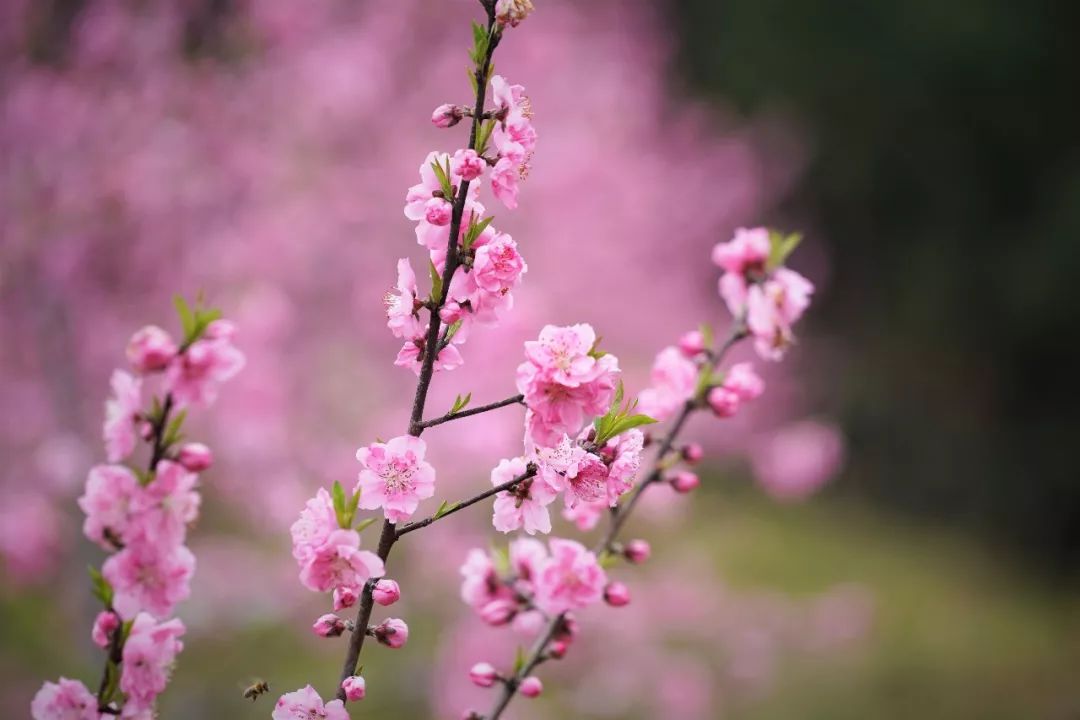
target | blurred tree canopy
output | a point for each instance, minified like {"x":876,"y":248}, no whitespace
{"x":945,"y":176}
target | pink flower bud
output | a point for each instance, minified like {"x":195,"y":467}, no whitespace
{"x":529,"y":623}
{"x":446,"y":116}
{"x":393,"y":633}
{"x":104,"y":624}
{"x":616,"y":594}
{"x":483,"y":674}
{"x":328,"y":625}
{"x":355,"y":688}
{"x":558,"y":649}
{"x":531,"y":687}
{"x":692,"y":453}
{"x":512,"y":12}
{"x":723,"y":402}
{"x":637,"y":551}
{"x":386,"y":592}
{"x":344,"y":597}
{"x":685,"y":481}
{"x":498,"y":612}
{"x":692,"y":343}
{"x":467,"y":164}
{"x":146,"y":430}
{"x":437,"y":211}
{"x":150,"y":349}
{"x":195,"y":457}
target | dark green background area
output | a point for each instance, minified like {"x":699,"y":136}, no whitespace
{"x":945,"y":176}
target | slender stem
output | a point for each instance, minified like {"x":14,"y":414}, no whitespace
{"x":116,"y":639}
{"x":618,"y":519}
{"x":517,"y":399}
{"x":509,"y":484}
{"x":389,"y":534}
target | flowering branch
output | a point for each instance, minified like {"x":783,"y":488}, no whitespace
{"x":451,"y":509}
{"x":452,"y":415}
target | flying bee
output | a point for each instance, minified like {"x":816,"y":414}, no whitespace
{"x":256,"y":689}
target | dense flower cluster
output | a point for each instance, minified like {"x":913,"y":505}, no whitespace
{"x":142,"y":518}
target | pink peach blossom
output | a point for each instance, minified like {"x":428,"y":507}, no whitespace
{"x":149,"y":652}
{"x":149,"y":578}
{"x":504,"y":182}
{"x":339,"y":562}
{"x":305,"y":704}
{"x":104,"y":624}
{"x":395,"y":477}
{"x":392,"y":632}
{"x":150,"y":349}
{"x":671,"y":384}
{"x":386,"y":592}
{"x":64,"y":700}
{"x":121,"y":413}
{"x":107,"y":500}
{"x":317,"y":521}
{"x":571,"y":579}
{"x":195,"y":376}
{"x":480,"y":582}
{"x":402,"y":318}
{"x":525,"y":505}
{"x":467,"y":164}
{"x":164,"y":508}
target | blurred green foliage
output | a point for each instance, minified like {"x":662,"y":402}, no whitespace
{"x":944,"y":175}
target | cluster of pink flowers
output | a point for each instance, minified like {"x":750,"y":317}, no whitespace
{"x":754,"y":284}
{"x":565,"y":381}
{"x":487,"y":264}
{"x":142,"y":518}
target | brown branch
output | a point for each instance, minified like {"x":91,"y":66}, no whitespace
{"x":509,"y":484}
{"x":515,"y":400}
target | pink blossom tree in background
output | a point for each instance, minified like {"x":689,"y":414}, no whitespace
{"x":256,"y":177}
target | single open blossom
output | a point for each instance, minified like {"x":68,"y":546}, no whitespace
{"x":744,"y":382}
{"x":110,"y":490}
{"x":671,"y":383}
{"x":150,"y":349}
{"x":564,"y":353}
{"x":149,"y":578}
{"x":625,"y":453}
{"x":527,"y":559}
{"x":429,"y":186}
{"x":345,"y":597}
{"x":121,"y":413}
{"x":773,"y":307}
{"x":64,"y":700}
{"x":571,"y":579}
{"x":305,"y":704}
{"x":504,"y":182}
{"x":411,"y":353}
{"x":148,"y":656}
{"x":395,"y":477}
{"x":480,"y":581}
{"x":164,"y":508}
{"x":525,"y":505}
{"x":498,"y":266}
{"x":746,"y":252}
{"x":586,"y":516}
{"x":317,"y":521}
{"x":589,"y":483}
{"x":339,"y":562}
{"x":194,"y":376}
{"x":104,"y":624}
{"x":402,"y":318}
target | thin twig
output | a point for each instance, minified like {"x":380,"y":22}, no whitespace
{"x":508,"y":485}
{"x":517,"y":399}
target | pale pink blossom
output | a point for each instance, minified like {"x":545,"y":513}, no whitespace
{"x":798,"y":459}
{"x":512,"y":12}
{"x":150,"y":349}
{"x":345,"y":597}
{"x":671,"y":383}
{"x":624,"y":452}
{"x":571,"y":579}
{"x":586,"y":516}
{"x":504,"y":182}
{"x":467,"y":164}
{"x":395,"y":477}
{"x":386,"y":592}
{"x":164,"y":508}
{"x":104,"y":624}
{"x":746,"y":252}
{"x":110,"y":491}
{"x":305,"y":704}
{"x":339,"y":562}
{"x":589,"y":483}
{"x":480,"y":581}
{"x":401,"y":314}
{"x":563,"y":353}
{"x":525,"y":505}
{"x":195,"y":376}
{"x":773,"y":307}
{"x":355,"y":688}
{"x":744,"y":382}
{"x":692,"y":343}
{"x":149,"y":578}
{"x":148,"y":656}
{"x":317,"y":521}
{"x":498,"y":612}
{"x":417,"y":196}
{"x":64,"y":700}
{"x":497,"y":266}
{"x":392,"y":632}
{"x":449,"y":358}
{"x":529,"y":623}
{"x":527,"y":559}
{"x":121,"y":413}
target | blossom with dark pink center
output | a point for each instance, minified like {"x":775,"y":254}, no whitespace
{"x":395,"y":477}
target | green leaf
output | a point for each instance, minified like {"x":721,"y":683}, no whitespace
{"x":365,"y":524}
{"x":444,"y":508}
{"x":501,"y":559}
{"x":519,"y":659}
{"x":350,"y":507}
{"x":103,"y":591}
{"x":172,"y":433}
{"x":443,"y":175}
{"x":436,"y":282}
{"x":483,"y":135}
{"x":630,"y":422}
{"x":707,"y":336}
{"x":460,"y":403}
{"x":475,"y":228}
{"x":338,"y":494}
{"x":607,"y":559}
{"x":781,"y":246}
{"x":187,"y":317}
{"x":452,"y":331}
{"x":596,"y":352}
